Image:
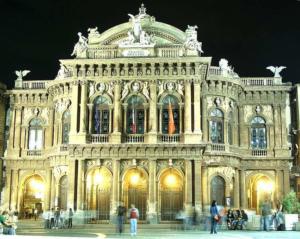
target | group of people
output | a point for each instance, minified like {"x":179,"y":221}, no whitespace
{"x":133,"y":215}
{"x":58,"y":218}
{"x":8,"y":222}
{"x":268,"y":218}
{"x":236,"y":219}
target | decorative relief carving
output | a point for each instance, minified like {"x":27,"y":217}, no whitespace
{"x":62,"y":104}
{"x":268,"y":113}
{"x":59,"y":171}
{"x":227,"y":172}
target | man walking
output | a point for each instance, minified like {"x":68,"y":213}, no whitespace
{"x":133,"y":215}
{"x":121,"y":212}
{"x":265,"y":215}
{"x":70,"y":221}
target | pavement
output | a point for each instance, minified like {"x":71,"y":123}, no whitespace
{"x":34,"y":230}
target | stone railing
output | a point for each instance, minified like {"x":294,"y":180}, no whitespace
{"x":98,"y":138}
{"x":214,"y":70}
{"x":259,"y":152}
{"x":34,"y":152}
{"x":175,"y":51}
{"x":103,"y":53}
{"x":218,"y":147}
{"x":134,"y":138}
{"x":165,"y":138}
{"x":264,"y":81}
{"x":34,"y":84}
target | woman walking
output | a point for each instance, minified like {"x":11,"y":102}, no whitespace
{"x":214,"y":217}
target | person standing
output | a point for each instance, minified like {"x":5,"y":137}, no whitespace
{"x":265,"y":215}
{"x":133,"y":215}
{"x":52,"y":218}
{"x":121,"y":212}
{"x":70,"y":221}
{"x":56,"y":218}
{"x":35,"y":213}
{"x":214,"y":217}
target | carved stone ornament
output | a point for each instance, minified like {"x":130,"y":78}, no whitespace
{"x":63,"y":72}
{"x":135,"y":86}
{"x":218,"y":101}
{"x":125,"y":90}
{"x":231,"y":104}
{"x":91,"y":89}
{"x":180,"y":87}
{"x":80,"y":47}
{"x":170,"y":86}
{"x":257,"y":109}
{"x":101,"y":87}
{"x":160,"y":88}
{"x":110,"y":89}
{"x":62,"y":104}
{"x":146,"y":90}
{"x":191,"y":41}
{"x":227,"y":172}
{"x":59,"y":171}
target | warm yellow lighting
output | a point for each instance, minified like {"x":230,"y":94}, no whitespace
{"x":38,"y":188}
{"x":265,"y":186}
{"x":170,"y":180}
{"x":134,"y":179}
{"x":98,"y":178}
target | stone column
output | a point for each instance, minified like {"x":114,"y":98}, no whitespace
{"x":243,"y":189}
{"x":283,"y":126}
{"x":80,"y":175}
{"x":152,"y":209}
{"x":197,"y":110}
{"x":14,"y":189}
{"x":152,"y":135}
{"x":236,"y":199}
{"x":242,"y":128}
{"x":12,"y":128}
{"x":49,"y":130}
{"x":278,"y":184}
{"x":90,"y":106}
{"x":74,"y":112}
{"x":187,"y":107}
{"x":71,"y":189}
{"x":198,"y":186}
{"x":205,"y":129}
{"x":53,"y":200}
{"x":115,"y":185}
{"x":48,"y":189}
{"x":286,"y":181}
{"x":188,"y":183}
{"x":125,"y":118}
{"x":83,"y":108}
{"x":205,"y":188}
{"x":18,"y":123}
{"x":7,"y":190}
{"x":160,"y":118}
{"x":116,"y":135}
{"x":277,"y":126}
{"x":225,"y":140}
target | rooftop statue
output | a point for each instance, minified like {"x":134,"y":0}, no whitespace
{"x":191,"y":41}
{"x":21,"y":74}
{"x":276,"y":70}
{"x":62,"y":72}
{"x":93,"y":31}
{"x":81,"y":46}
{"x":226,"y":70}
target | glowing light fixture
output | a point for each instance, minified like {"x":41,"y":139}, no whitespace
{"x":170,"y":180}
{"x":98,"y":177}
{"x":134,"y":178}
{"x":265,"y":186}
{"x":37,"y":187}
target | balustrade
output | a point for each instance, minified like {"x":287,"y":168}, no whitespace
{"x":134,"y":138}
{"x":259,"y":152}
{"x":98,"y":138}
{"x":165,"y":138}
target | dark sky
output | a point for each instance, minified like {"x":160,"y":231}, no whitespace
{"x":251,"y":34}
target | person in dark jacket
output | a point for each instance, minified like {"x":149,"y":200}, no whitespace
{"x":214,"y":217}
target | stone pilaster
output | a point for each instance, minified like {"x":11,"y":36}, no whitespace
{"x":71,"y":178}
{"x":286,"y":181}
{"x":236,"y":188}
{"x":74,"y":112}
{"x":188,"y":184}
{"x":198,"y":186}
{"x":47,"y":197}
{"x":116,"y":135}
{"x":205,"y":129}
{"x":14,"y":189}
{"x":152,"y":135}
{"x":197,"y":109}
{"x":152,"y":209}
{"x":115,"y":186}
{"x":205,"y":188}
{"x":18,"y":122}
{"x":49,"y":130}
{"x":243,"y":189}
{"x":80,"y":175}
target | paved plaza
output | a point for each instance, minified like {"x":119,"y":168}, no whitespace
{"x":33,"y":229}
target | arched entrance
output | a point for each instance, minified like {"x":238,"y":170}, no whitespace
{"x":171,"y":194}
{"x":99,"y":182}
{"x":217,"y":190}
{"x":63,"y":192}
{"x":135,"y":190}
{"x":261,"y":187}
{"x":32,"y":197}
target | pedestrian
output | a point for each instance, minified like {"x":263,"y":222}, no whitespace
{"x":52,"y":222}
{"x":70,"y":221}
{"x":56,"y":218}
{"x":279,"y":217}
{"x":133,"y":215}
{"x":265,"y":215}
{"x":215,"y":217}
{"x":244,"y":219}
{"x":35,"y":213}
{"x":121,"y":212}
{"x":46,"y":217}
{"x":61,"y":219}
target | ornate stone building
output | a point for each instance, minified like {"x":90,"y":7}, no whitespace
{"x":140,"y":116}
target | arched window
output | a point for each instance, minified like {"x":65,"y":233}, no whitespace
{"x":216,"y":126}
{"x":101,"y":115}
{"x":66,"y":125}
{"x":230,"y":127}
{"x":217,"y":190}
{"x":170,"y":115}
{"x":35,"y":141}
{"x":258,"y":133}
{"x":135,"y":115}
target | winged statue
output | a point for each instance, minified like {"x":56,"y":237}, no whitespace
{"x":136,"y":27}
{"x":21,"y":74}
{"x":276,"y":70}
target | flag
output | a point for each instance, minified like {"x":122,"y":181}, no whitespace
{"x":133,"y":126}
{"x":171,"y":125}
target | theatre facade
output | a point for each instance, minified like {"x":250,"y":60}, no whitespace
{"x":139,"y":115}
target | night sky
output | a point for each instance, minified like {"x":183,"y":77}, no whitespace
{"x":251,"y":34}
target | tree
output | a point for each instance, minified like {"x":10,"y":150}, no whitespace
{"x":290,"y":203}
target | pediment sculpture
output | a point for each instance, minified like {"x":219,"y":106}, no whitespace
{"x":191,"y":41}
{"x":80,"y":47}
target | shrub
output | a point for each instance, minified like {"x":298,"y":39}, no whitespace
{"x":290,"y":203}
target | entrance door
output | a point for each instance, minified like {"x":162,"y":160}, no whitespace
{"x":171,"y":204}
{"x":103,"y":204}
{"x":137,"y":197}
{"x":217,"y":190}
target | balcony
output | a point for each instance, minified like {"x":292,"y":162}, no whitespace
{"x":98,"y":138}
{"x":34,"y":152}
{"x":165,"y":138}
{"x":134,"y":138}
{"x":265,"y":81}
{"x":259,"y":152}
{"x":218,"y":147}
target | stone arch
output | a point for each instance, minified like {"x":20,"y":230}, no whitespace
{"x":217,"y":190}
{"x":173,"y":93}
{"x":97,"y":94}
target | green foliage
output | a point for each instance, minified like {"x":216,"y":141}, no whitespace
{"x":290,"y":203}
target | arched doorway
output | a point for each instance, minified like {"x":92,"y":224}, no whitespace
{"x":135,"y":190}
{"x":33,"y":190}
{"x":261,"y":187}
{"x":63,"y":192}
{"x":217,"y":190}
{"x":99,"y":182}
{"x":171,"y":194}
